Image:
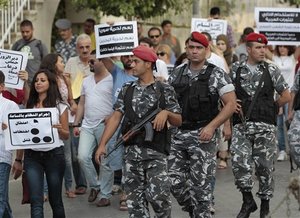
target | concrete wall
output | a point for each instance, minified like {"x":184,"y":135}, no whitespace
{"x":43,"y":19}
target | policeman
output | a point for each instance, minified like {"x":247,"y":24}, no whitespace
{"x":294,"y":116}
{"x":254,"y":139}
{"x":146,"y":178}
{"x":192,"y":162}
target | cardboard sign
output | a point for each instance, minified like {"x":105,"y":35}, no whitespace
{"x":118,"y":39}
{"x":31,"y":128}
{"x":280,"y":25}
{"x":214,"y":27}
{"x":11,"y":62}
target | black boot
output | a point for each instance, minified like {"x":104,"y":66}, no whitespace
{"x":264,"y":208}
{"x":248,"y":206}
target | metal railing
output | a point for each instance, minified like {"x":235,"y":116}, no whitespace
{"x":9,"y":15}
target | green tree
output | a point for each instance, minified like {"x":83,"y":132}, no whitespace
{"x":133,"y":8}
{"x":3,"y":3}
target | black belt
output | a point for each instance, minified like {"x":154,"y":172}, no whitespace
{"x":193,"y":125}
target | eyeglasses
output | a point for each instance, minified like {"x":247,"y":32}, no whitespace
{"x":154,"y":36}
{"x":160,"y":53}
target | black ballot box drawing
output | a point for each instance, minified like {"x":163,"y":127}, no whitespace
{"x":32,"y":128}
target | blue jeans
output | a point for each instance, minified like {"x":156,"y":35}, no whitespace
{"x":280,"y":128}
{"x":52,"y":163}
{"x":5,"y":211}
{"x":68,"y":158}
{"x":89,"y":139}
{"x":77,"y":171}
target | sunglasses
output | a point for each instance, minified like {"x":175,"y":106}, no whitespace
{"x":154,"y":36}
{"x":92,"y":61}
{"x":160,"y":53}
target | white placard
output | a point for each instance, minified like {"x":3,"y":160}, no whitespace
{"x":214,"y":27}
{"x":31,"y":128}
{"x":280,"y":25}
{"x":11,"y":62}
{"x":115,"y":40}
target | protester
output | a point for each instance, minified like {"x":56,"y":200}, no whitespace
{"x":169,"y":39}
{"x":88,"y":28}
{"x":254,"y":131}
{"x":35,"y":49}
{"x":164,"y":54}
{"x":6,"y":155}
{"x":215,"y":13}
{"x":66,"y":45}
{"x":44,"y":93}
{"x":77,"y":68}
{"x":55,"y":64}
{"x":146,"y":178}
{"x":94,"y":108}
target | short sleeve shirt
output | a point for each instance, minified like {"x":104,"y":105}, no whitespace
{"x":250,"y":78}
{"x":219,"y":81}
{"x":145,"y":97}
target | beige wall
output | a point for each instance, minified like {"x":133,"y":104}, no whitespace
{"x":43,"y":20}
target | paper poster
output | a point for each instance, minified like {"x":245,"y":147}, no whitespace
{"x":11,"y":62}
{"x":280,"y":25}
{"x":31,"y":128}
{"x":118,"y":39}
{"x":214,"y":27}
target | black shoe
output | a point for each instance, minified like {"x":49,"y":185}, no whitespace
{"x":248,"y":206}
{"x":93,"y":195}
{"x":264,"y":208}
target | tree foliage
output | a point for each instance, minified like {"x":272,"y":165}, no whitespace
{"x":133,"y":8}
{"x":3,"y":3}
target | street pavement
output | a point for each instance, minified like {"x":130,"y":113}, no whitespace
{"x":228,"y":200}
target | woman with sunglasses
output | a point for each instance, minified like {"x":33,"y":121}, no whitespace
{"x":164,"y":53}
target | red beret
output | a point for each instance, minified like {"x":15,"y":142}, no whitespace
{"x":145,"y":53}
{"x":200,"y":38}
{"x":256,"y":37}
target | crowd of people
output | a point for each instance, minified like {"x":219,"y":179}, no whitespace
{"x":218,"y":99}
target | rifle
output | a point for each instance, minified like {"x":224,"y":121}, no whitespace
{"x":145,"y":123}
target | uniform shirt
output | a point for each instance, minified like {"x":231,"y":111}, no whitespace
{"x":66,"y":50}
{"x":250,"y":80}
{"x":296,"y":85}
{"x":5,"y":105}
{"x":144,"y":98}
{"x":218,"y":83}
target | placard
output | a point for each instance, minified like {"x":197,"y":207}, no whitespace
{"x":280,"y":25}
{"x":214,"y":27}
{"x":115,"y":40}
{"x":11,"y":62}
{"x":31,"y":128}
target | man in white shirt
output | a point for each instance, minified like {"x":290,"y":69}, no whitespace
{"x":6,"y":156}
{"x":95,"y":106}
